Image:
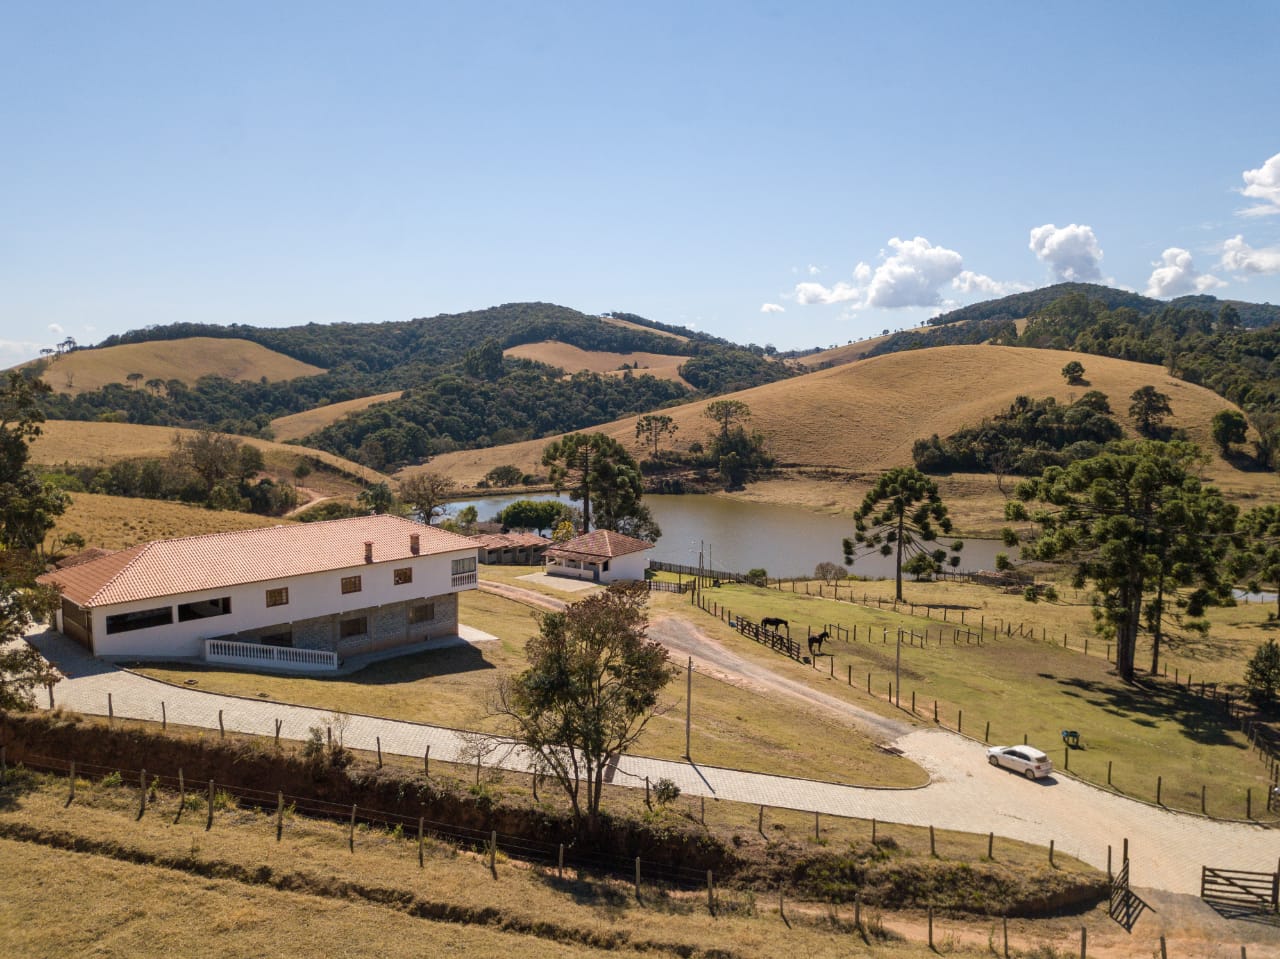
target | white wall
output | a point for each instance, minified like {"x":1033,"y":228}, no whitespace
{"x":317,"y":594}
{"x":631,"y":566}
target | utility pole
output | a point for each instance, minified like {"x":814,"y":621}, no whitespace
{"x":688,"y":709}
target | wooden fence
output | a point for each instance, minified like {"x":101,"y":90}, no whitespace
{"x":1240,"y":890}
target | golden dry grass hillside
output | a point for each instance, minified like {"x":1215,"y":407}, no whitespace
{"x":627,"y":324}
{"x":116,"y":522}
{"x":837,"y":355}
{"x":100,"y":444}
{"x":864,"y":417}
{"x":297,"y":425}
{"x":186,"y":360}
{"x":665,"y":366}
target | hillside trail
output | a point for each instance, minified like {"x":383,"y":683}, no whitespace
{"x":309,"y":503}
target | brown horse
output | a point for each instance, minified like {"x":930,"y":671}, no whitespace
{"x":815,"y":643}
{"x":775,"y":623}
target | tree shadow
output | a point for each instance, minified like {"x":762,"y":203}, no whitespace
{"x":1147,"y":704}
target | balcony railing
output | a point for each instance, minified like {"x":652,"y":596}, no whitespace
{"x":464,"y":579}
{"x":277,"y":657}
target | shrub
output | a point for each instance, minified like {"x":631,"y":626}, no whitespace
{"x":758,"y":577}
{"x":666,"y":791}
{"x":1262,"y":674}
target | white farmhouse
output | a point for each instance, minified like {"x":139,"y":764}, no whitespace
{"x":601,"y":556}
{"x":301,"y":595}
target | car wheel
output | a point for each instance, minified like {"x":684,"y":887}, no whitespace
{"x":1031,"y":774}
{"x":993,"y":760}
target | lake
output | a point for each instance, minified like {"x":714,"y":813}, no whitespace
{"x":737,"y":536}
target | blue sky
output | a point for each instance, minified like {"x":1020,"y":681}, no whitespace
{"x":800,"y":174}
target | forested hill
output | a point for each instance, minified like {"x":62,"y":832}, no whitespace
{"x":1018,"y":306}
{"x":458,"y":390}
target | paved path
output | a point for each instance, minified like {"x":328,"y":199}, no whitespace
{"x":1166,"y":849}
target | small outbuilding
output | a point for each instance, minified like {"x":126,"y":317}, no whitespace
{"x":508,"y":549}
{"x":601,"y":556}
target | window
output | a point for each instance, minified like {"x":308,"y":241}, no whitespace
{"x":278,"y":597}
{"x":203,"y":609}
{"x":356,"y":626}
{"x":403,"y":576}
{"x":422,"y":613}
{"x":351,"y":584}
{"x":141,"y":619}
{"x":466,"y":565}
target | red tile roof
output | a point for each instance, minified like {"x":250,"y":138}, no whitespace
{"x":218,"y":560}
{"x":597,"y":545}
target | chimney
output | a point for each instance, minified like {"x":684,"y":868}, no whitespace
{"x":414,"y":546}
{"x":368,"y":551}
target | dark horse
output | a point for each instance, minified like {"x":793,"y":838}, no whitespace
{"x":774,"y":623}
{"x":815,"y":643}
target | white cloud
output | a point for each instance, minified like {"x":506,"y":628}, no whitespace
{"x":969,"y":282}
{"x":1176,"y":274}
{"x":1239,"y":257}
{"x":772,"y":308}
{"x":809,"y":294}
{"x":1263,"y":184}
{"x":814,"y":270}
{"x":55,"y":329}
{"x":1072,"y":251}
{"x":913,"y":274}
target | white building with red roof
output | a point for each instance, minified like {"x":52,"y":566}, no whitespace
{"x":601,"y":556}
{"x":301,"y":595}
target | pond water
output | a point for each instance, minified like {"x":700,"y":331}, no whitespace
{"x":738,"y":536}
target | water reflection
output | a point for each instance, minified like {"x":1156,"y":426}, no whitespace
{"x":738,"y":536}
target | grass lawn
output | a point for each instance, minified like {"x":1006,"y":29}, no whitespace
{"x":329,"y":906}
{"x":734,"y":727}
{"x":1032,"y":688}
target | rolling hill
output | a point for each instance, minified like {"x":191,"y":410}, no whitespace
{"x":861,"y":418}
{"x":297,"y":425}
{"x":571,"y":359}
{"x":99,"y":444}
{"x":238,"y":360}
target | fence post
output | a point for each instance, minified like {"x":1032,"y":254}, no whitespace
{"x":182,"y":794}
{"x":711,"y":893}
{"x":1108,"y":772}
{"x":991,"y":842}
{"x":960,"y":721}
{"x":493,"y":853}
{"x":351,"y":832}
{"x":222,"y":730}
{"x":279,"y":814}
{"x":164,"y":719}
{"x":1159,"y":783}
{"x":209,"y":821}
{"x":560,"y":863}
{"x":760,"y":821}
{"x":637,"y":878}
{"x":816,"y":834}
{"x":111,"y":711}
{"x":986,"y":735}
{"x":378,"y":742}
{"x":279,"y":723}
{"x":1084,"y":942}
{"x":420,"y":856}
{"x":1108,"y":862}
{"x":142,"y":793}
{"x":1051,"y":852}
{"x":426,"y":762}
{"x":933,"y":848}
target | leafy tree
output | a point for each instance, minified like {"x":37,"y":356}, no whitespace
{"x":376,"y":498}
{"x":535,"y":514}
{"x":830,"y":573}
{"x":899,"y":514}
{"x":28,"y":507}
{"x":1148,"y":408}
{"x":214,"y":457}
{"x":504,"y":475}
{"x":727,"y":413}
{"x":1073,"y":372}
{"x":1262,"y":673}
{"x":426,"y":493}
{"x":484,"y":362}
{"x":1257,"y":554}
{"x":1136,"y":521}
{"x":598,"y":471}
{"x":1229,"y":426}
{"x":651,"y":427}
{"x":134,"y":379}
{"x":592,"y":685}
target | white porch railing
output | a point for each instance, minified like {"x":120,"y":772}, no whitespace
{"x":464,"y":579}
{"x":281,"y":657}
